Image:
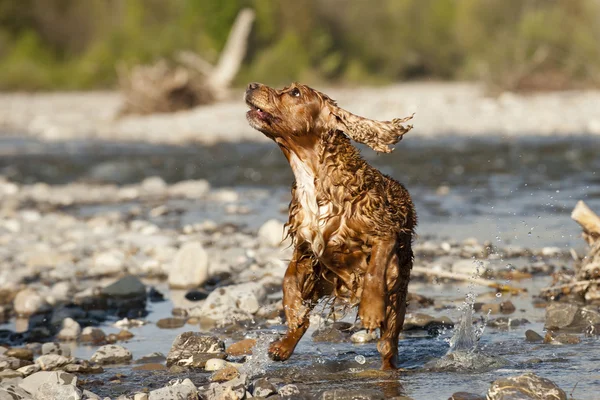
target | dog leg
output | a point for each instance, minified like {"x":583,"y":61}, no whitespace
{"x":373,"y":300}
{"x":397,"y":285}
{"x":298,"y":293}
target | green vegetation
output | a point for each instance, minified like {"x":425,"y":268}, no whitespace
{"x":511,"y":44}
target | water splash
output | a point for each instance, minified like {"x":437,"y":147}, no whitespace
{"x":463,"y":354}
{"x":258,"y":363}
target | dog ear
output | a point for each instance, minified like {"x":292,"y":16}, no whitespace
{"x":378,"y":135}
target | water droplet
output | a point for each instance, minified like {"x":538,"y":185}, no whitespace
{"x":360,"y":359}
{"x":498,"y":294}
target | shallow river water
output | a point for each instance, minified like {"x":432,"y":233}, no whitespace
{"x":517,"y":192}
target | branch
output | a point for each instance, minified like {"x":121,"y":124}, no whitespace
{"x":195,"y":62}
{"x":467,"y":278}
{"x":234,"y":51}
{"x":589,"y":221}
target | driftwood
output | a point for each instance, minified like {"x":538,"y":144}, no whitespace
{"x":187,"y":82}
{"x":586,"y":281}
{"x":467,"y":278}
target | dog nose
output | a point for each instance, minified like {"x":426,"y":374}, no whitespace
{"x":253,"y":85}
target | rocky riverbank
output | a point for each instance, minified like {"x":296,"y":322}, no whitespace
{"x":442,"y":109}
{"x":84,"y":265}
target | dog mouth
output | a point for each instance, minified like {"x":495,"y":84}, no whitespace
{"x":258,"y":112}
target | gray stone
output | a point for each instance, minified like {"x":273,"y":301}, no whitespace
{"x":49,"y":362}
{"x":28,"y":302}
{"x":560,"y":315}
{"x":288,"y":390}
{"x":271,"y":233}
{"x":93,"y":335}
{"x":70,"y":330}
{"x":126,"y":287}
{"x":34,"y":381}
{"x":53,"y":391}
{"x":466,"y":396}
{"x":263,"y":388}
{"x":111,"y":262}
{"x":191,"y":189}
{"x":56,"y":348}
{"x":111,"y":354}
{"x":178,"y":390}
{"x":13,"y":392}
{"x":190,"y":267}
{"x":532,"y":336}
{"x":232,"y":303}
{"x":189,"y":344}
{"x":87,"y":395}
{"x":12,"y":362}
{"x":10,"y":374}
{"x":352,"y":394}
{"x":233,"y":389}
{"x":525,"y":387}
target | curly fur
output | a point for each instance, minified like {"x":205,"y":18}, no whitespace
{"x":351,"y":225}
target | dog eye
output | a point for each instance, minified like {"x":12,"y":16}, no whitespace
{"x":295,"y":92}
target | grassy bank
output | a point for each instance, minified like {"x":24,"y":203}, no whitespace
{"x":511,"y":44}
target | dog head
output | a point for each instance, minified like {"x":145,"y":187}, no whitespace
{"x":298,"y":112}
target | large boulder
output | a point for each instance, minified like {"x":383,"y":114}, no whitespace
{"x":525,"y":387}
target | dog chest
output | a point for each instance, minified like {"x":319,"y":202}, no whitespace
{"x":311,"y":217}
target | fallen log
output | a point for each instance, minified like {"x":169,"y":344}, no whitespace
{"x":586,"y":281}
{"x":467,"y":278}
{"x":187,"y":82}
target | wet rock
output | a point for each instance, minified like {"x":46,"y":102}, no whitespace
{"x":55,"y":348}
{"x":12,"y":363}
{"x":561,"y":338}
{"x":417,"y":321}
{"x":337,"y":332}
{"x":560,"y":315}
{"x":92,"y":335}
{"x":466,"y":396}
{"x":241,"y":348}
{"x":155,"y":296}
{"x":51,"y":362}
{"x":348,"y":394}
{"x":29,"y":369}
{"x":170,"y":323}
{"x":70,"y":330}
{"x":225,"y":374}
{"x":188,"y":344}
{"x":262,"y":387}
{"x":233,"y":389}
{"x":178,"y":390}
{"x":525,"y":387}
{"x":190,"y":267}
{"x":288,"y":390}
{"x":533,"y":337}
{"x":416,"y":300}
{"x":505,"y":322}
{"x":151,"y":358}
{"x":20,"y":353}
{"x":10,"y":374}
{"x":271,"y":233}
{"x":33,"y":382}
{"x":28,"y":302}
{"x":363,"y":337}
{"x":199,"y":360}
{"x":13,"y":392}
{"x":111,"y":354}
{"x":83,"y":367}
{"x":215,"y":364}
{"x":196,"y":295}
{"x":127,"y":296}
{"x":124,"y":335}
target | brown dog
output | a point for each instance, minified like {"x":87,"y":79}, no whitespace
{"x":351,"y":226}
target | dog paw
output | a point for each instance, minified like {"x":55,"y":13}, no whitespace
{"x":372,"y":313}
{"x":280,"y":351}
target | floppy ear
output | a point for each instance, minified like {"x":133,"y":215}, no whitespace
{"x":378,"y":135}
